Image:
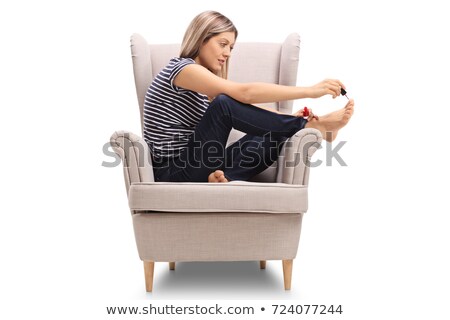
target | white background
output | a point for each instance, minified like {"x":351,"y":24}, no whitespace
{"x":375,"y":238}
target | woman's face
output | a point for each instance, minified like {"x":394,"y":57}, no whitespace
{"x":215,"y":52}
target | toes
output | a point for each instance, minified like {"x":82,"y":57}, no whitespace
{"x":212,"y":177}
{"x":218,"y":174}
{"x":221,"y":176}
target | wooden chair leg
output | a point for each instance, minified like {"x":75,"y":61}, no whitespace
{"x":149,"y":267}
{"x":172,"y":265}
{"x":287,"y":273}
{"x":262,"y":264}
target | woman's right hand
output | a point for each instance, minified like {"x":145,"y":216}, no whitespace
{"x":327,"y":86}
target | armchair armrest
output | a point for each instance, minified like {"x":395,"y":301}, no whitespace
{"x":235,"y":196}
{"x":135,"y":155}
{"x":295,"y":157}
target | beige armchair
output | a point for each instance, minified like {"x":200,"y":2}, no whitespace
{"x":237,"y":221}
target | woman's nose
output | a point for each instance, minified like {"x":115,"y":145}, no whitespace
{"x":227,"y":52}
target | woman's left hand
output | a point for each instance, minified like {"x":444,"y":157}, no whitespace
{"x":300,"y":113}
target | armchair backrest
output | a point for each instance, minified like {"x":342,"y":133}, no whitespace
{"x":250,"y":62}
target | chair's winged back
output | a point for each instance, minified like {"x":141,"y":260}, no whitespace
{"x":250,"y":62}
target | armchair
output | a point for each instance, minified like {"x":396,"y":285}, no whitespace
{"x":236,"y":221}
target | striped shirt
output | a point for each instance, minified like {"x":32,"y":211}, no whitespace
{"x":171,"y":113}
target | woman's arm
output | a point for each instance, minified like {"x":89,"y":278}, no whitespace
{"x":197,"y":78}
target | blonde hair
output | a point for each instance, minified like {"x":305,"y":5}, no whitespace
{"x":205,"y":26}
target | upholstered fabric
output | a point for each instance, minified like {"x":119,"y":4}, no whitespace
{"x":135,"y":155}
{"x":236,"y":196}
{"x":236,"y":236}
{"x":295,"y":158}
{"x":289,"y":59}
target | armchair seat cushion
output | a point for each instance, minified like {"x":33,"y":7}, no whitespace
{"x":235,"y":196}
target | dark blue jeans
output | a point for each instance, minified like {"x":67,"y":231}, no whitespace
{"x":206,"y":150}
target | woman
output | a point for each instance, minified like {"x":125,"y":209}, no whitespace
{"x":191,"y":107}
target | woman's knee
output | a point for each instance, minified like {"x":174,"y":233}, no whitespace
{"x":221,"y":105}
{"x":222,"y":99}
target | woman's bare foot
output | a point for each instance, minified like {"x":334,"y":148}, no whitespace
{"x":217,"y":176}
{"x":331,"y":123}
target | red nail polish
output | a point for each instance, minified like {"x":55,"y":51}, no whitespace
{"x":305,"y":112}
